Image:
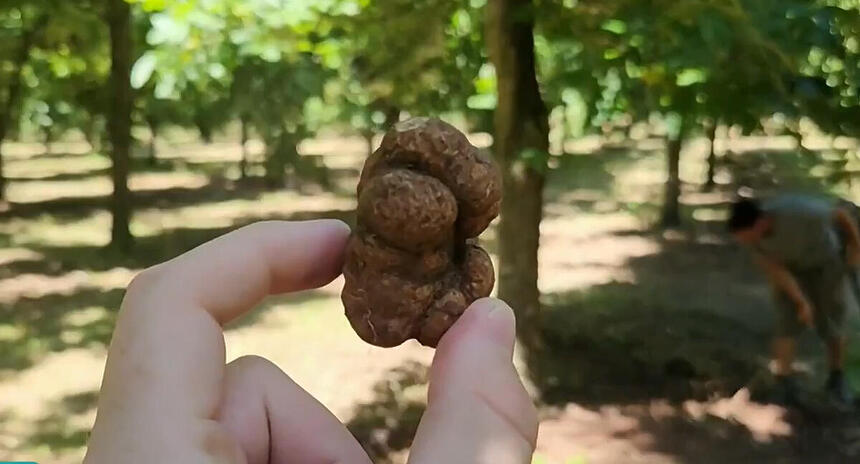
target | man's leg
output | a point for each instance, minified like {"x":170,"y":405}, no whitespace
{"x":786,"y":386}
{"x":788,"y":327}
{"x":835,"y":353}
{"x":783,"y":353}
{"x":833,"y":293}
{"x":836,"y":384}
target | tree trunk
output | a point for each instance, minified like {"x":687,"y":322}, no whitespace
{"x":205,"y":133}
{"x":368,"y":140}
{"x":243,"y":163}
{"x":671,"y":216}
{"x":152,"y":160}
{"x":520,"y":125}
{"x":277,"y":155}
{"x":711,"y":131}
{"x":392,"y":116}
{"x":90,"y":133}
{"x":14,"y":91}
{"x":48,"y":138}
{"x":119,"y":120}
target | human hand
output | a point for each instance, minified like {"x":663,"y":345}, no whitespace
{"x":167,"y":395}
{"x":805,"y":313}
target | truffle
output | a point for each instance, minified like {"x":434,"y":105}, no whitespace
{"x":412,"y":263}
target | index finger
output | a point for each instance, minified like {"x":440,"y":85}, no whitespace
{"x":166,"y":360}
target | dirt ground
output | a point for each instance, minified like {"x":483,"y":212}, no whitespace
{"x":660,"y":348}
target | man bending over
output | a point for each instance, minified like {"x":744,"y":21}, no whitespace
{"x":808,"y":248}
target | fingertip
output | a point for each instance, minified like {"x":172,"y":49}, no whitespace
{"x":329,"y":229}
{"x":338,"y":227}
{"x":487,"y":321}
{"x":476,"y":399}
{"x":330,"y":237}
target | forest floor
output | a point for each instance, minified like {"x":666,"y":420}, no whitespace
{"x":657,"y":340}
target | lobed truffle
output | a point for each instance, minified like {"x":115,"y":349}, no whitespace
{"x":412,"y":263}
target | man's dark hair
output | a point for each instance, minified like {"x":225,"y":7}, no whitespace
{"x":744,"y":214}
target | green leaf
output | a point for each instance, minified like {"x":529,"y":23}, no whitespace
{"x":166,"y":29}
{"x":154,"y":5}
{"x":611,"y":53}
{"x":615,"y":26}
{"x":143,"y":69}
{"x":690,"y":76}
{"x":486,"y":101}
{"x":535,"y":159}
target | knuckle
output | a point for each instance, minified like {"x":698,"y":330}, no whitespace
{"x":146,"y":280}
{"x":252,"y":363}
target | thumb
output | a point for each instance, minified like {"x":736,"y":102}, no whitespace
{"x":478,"y":410}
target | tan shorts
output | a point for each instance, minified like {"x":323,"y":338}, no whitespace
{"x":827,"y":289}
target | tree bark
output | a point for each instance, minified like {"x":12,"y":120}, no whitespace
{"x":153,"y":138}
{"x":671,"y":216}
{"x":14,"y":91}
{"x":392,"y":116}
{"x":711,"y":131}
{"x":48,"y":134}
{"x":368,"y":140}
{"x":243,"y":163}
{"x":278,"y":155}
{"x":520,"y":125}
{"x":119,"y":120}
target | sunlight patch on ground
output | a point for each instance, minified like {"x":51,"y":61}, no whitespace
{"x":19,"y":150}
{"x":32,"y":406}
{"x":602,"y":435}
{"x":764,"y":421}
{"x":299,"y":333}
{"x":231,"y":212}
{"x":582,"y":251}
{"x":40,"y":168}
{"x":39,"y":191}
{"x":17,"y":255}
{"x":213,"y":152}
{"x":39,"y":285}
{"x":612,"y":433}
{"x":27,"y":394}
{"x":52,"y":231}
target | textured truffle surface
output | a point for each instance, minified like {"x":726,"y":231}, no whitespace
{"x":412,"y":265}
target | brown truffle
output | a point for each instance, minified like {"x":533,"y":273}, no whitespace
{"x":412,"y":266}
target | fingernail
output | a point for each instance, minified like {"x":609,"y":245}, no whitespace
{"x":499,"y":310}
{"x":499,"y":321}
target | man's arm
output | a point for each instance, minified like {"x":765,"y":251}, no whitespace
{"x":848,"y":225}
{"x":783,"y":280}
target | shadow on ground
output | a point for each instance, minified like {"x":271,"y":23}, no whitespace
{"x":693,"y":324}
{"x":56,"y":322}
{"x":386,"y":425}
{"x":57,"y":430}
{"x":31,"y":327}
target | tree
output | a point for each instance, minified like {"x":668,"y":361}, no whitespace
{"x":277,"y":109}
{"x":26,"y":24}
{"x":711,"y":133}
{"x":690,"y":62}
{"x":441,"y":71}
{"x":521,"y":143}
{"x":118,"y":16}
{"x":156,"y":113}
{"x":267,"y":63}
